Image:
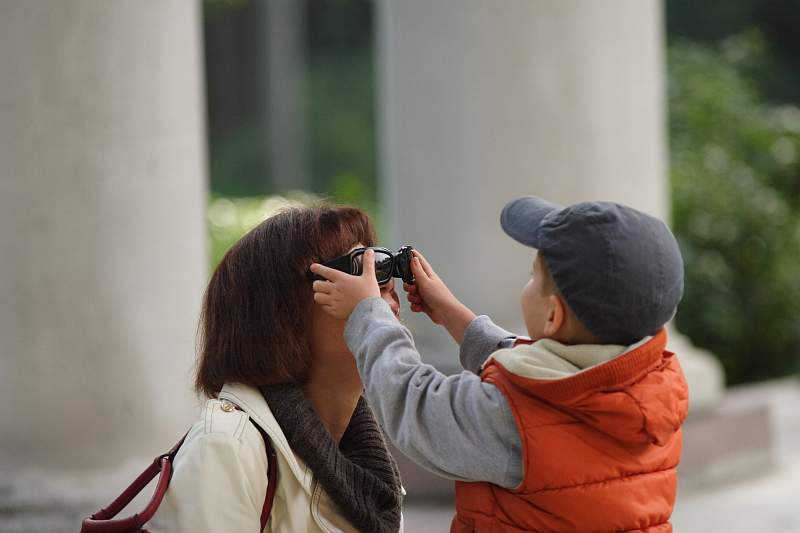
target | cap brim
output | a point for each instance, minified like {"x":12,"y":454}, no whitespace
{"x":522,"y":216}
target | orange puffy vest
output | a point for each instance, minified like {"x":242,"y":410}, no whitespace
{"x":600,"y":449}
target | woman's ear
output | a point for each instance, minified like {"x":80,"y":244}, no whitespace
{"x":556,"y":317}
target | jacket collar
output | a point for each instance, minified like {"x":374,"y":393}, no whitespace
{"x":627,"y":367}
{"x":550,"y":359}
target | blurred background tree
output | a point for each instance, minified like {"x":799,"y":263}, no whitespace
{"x":736,"y":209}
{"x":734,"y":125}
{"x":339,"y":99}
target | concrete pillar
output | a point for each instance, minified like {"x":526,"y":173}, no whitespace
{"x":285,"y":95}
{"x":102,"y":235}
{"x":485,"y":101}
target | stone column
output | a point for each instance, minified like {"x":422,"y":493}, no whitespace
{"x":102,"y":236}
{"x":283,"y":75}
{"x":485,"y":101}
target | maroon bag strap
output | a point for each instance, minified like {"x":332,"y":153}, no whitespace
{"x":272,"y":477}
{"x":103,"y":520}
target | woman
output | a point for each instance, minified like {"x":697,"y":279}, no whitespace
{"x":271,"y":358}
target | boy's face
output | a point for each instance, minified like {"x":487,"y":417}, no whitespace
{"x":536,"y":303}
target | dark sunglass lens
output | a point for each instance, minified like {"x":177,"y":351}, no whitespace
{"x":383,"y":267}
{"x":356,"y":264}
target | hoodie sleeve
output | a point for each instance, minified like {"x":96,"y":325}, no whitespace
{"x":455,"y":426}
{"x":481,"y":338}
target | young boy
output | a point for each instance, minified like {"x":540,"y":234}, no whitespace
{"x":577,"y":430}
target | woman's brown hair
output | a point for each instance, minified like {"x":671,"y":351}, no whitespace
{"x":256,"y":312}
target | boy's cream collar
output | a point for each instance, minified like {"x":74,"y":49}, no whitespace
{"x":550,"y":359}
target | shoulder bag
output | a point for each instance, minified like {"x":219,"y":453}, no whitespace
{"x":103,"y":521}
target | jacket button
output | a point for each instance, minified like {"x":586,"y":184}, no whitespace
{"x":228,"y":407}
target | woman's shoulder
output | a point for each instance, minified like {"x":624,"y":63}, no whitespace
{"x":222,"y":416}
{"x":219,"y":475}
{"x":225,"y":428}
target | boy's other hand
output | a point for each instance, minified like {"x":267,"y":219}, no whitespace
{"x":341,"y":293}
{"x":431,"y":296}
{"x":428,"y":294}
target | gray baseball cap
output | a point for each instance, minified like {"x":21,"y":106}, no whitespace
{"x":619,"y":270}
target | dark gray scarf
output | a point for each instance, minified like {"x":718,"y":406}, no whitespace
{"x":359,"y":475}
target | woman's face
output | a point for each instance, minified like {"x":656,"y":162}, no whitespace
{"x":327,"y":335}
{"x":389,"y":295}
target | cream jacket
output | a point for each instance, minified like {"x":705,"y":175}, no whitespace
{"x":220,"y":476}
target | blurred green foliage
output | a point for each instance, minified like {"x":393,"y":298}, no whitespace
{"x":735,"y":176}
{"x":229,"y":218}
{"x":339,"y":99}
{"x":712,"y":21}
{"x":342,"y":127}
{"x":340,"y":110}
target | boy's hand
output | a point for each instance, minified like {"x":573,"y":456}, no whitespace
{"x":428,"y":294}
{"x":431,"y":296}
{"x":342,"y":292}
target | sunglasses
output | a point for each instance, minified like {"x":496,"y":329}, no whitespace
{"x":388,"y":265}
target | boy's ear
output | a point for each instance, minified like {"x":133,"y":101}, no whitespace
{"x":556,"y":317}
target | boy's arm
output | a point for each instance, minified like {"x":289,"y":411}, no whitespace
{"x":456,"y":426}
{"x":481,"y":338}
{"x":478,"y":336}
